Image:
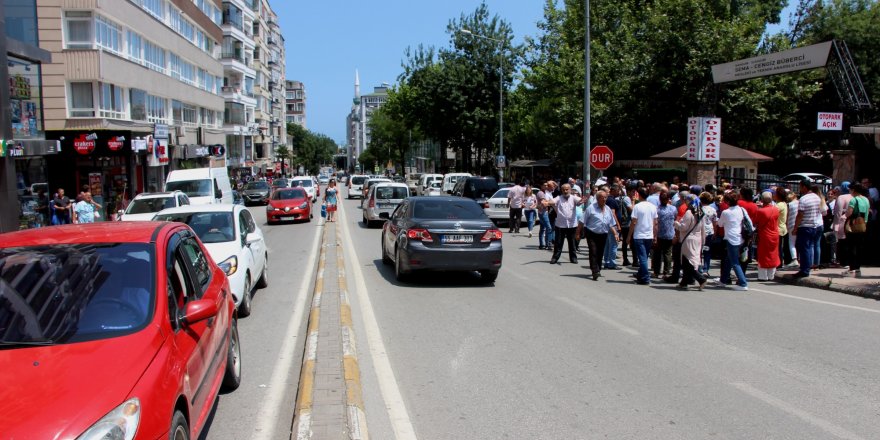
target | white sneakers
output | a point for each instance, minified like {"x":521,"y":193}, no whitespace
{"x":740,"y":288}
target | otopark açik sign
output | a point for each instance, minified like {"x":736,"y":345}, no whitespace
{"x":829,"y":121}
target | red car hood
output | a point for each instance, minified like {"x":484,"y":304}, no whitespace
{"x":60,"y":391}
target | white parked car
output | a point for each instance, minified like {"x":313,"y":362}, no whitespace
{"x":307,"y":183}
{"x":435,"y":188}
{"x":144,"y":206}
{"x":356,"y":186}
{"x":498,"y":209}
{"x":449,"y":180}
{"x":235,"y":243}
{"x":383,"y":197}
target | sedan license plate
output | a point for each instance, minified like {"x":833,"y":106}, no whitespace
{"x":458,"y":239}
{"x":502,"y":205}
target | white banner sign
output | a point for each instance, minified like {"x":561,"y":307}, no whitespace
{"x":703,"y":139}
{"x":829,"y":121}
{"x":802,"y":58}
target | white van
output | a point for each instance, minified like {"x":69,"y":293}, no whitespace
{"x":203,"y":186}
{"x":425,"y":182}
{"x":356,"y":186}
{"x":450,"y":179}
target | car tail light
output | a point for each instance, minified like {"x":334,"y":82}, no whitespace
{"x":491,"y":234}
{"x":485,"y":205}
{"x":419,"y":234}
{"x":372,"y":202}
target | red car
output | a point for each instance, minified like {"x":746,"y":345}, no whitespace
{"x":287,"y":204}
{"x":112,"y":330}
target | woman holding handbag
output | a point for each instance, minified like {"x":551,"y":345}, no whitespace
{"x":856,"y":226}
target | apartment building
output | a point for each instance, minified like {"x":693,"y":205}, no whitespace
{"x":295,"y":103}
{"x":134,"y":88}
{"x":22,"y":136}
{"x":239,"y":81}
{"x":269,"y":63}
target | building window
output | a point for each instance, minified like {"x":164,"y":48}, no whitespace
{"x":190,"y":115}
{"x":155,"y":7}
{"x":157,"y":109}
{"x":154,"y":57}
{"x":135,"y":47}
{"x":81,"y":102}
{"x":209,"y":117}
{"x":187,"y":73}
{"x":234,"y":114}
{"x":111,"y":102}
{"x":138,"y":101}
{"x":78,"y":29}
{"x":174,"y":65}
{"x":108,"y":35}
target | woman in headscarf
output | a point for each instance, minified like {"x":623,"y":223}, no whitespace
{"x":838,"y":225}
{"x":767,"y":228}
{"x":692,"y":234}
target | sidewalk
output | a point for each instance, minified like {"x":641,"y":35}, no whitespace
{"x":867,"y":286}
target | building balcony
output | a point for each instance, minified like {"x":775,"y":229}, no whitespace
{"x":237,"y":94}
{"x":236,"y":61}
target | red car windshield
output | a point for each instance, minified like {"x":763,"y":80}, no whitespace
{"x":74,"y":292}
{"x":290,"y":194}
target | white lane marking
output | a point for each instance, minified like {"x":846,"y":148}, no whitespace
{"x":400,"y":422}
{"x":599,"y":316}
{"x":820,"y":423}
{"x":829,"y":303}
{"x":265,"y":427}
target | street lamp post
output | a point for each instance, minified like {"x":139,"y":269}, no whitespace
{"x":500,"y":92}
{"x":587,"y":95}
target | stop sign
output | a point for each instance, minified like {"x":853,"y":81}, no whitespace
{"x":601,"y":157}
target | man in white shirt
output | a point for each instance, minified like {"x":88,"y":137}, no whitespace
{"x":566,"y":222}
{"x":643,"y":233}
{"x":731,"y":221}
{"x":515,"y":198}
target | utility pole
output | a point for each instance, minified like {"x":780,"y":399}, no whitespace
{"x":586,"y":173}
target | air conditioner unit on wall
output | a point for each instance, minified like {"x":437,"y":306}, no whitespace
{"x":179,"y":131}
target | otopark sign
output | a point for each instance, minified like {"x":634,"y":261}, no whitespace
{"x":829,"y":121}
{"x":601,"y":157}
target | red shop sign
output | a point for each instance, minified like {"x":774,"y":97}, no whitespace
{"x":114,"y":145}
{"x":84,"y":146}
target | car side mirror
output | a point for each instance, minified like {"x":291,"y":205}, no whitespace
{"x":252,"y":238}
{"x":218,"y":194}
{"x":449,"y":191}
{"x":384,"y":215}
{"x":199,"y":310}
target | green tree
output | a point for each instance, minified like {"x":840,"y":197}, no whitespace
{"x":283,"y":153}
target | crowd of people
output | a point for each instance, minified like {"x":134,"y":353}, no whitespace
{"x":671,"y":232}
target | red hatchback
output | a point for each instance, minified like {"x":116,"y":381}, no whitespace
{"x":287,"y":204}
{"x":112,"y":330}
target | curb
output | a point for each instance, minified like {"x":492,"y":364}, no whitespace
{"x":357,"y":420}
{"x":826,"y":283}
{"x":302,"y":422}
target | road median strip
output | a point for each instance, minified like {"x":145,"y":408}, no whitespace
{"x":357,"y":421}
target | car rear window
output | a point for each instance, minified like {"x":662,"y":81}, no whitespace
{"x":478,"y":188}
{"x":68,"y":293}
{"x":463,"y":209}
{"x":289,"y":194}
{"x":147,"y":206}
{"x":257,"y":185}
{"x":391,"y":193}
{"x":211,"y":227}
{"x":358,"y":180}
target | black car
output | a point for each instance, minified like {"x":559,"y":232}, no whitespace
{"x":441,"y":234}
{"x":256,"y":192}
{"x":476,"y":188}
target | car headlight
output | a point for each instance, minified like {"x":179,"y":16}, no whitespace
{"x":119,"y":424}
{"x":271,"y":208}
{"x":304,"y":205}
{"x":229,"y":265}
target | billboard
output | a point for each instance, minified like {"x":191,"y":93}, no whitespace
{"x":792,"y":60}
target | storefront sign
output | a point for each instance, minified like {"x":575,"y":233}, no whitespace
{"x":11,"y":149}
{"x":84,"y":144}
{"x":161,"y":131}
{"x":139,"y":145}
{"x":157,"y":150}
{"x":801,"y":58}
{"x":114,"y":144}
{"x":25,"y":102}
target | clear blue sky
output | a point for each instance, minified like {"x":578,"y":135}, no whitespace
{"x":327,"y":40}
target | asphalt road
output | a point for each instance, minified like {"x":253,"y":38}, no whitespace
{"x":272,"y":339}
{"x":547,"y":353}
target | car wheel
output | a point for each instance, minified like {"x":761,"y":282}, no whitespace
{"x":179,"y":427}
{"x":399,"y":273}
{"x":364,"y":220}
{"x":263,"y":282}
{"x":232,"y":376}
{"x":489,"y":276}
{"x":244,"y":308}
{"x":385,"y":259}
